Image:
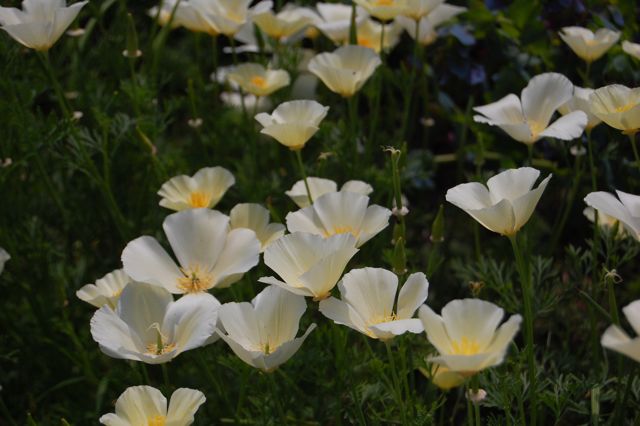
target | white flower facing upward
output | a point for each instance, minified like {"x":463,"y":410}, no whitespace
{"x":368,"y":299}
{"x":340,"y":213}
{"x":467,"y":336}
{"x":148,"y":326}
{"x":418,"y":9}
{"x":256,"y":218}
{"x":625,"y":208}
{"x":4,"y":257}
{"x":293,"y":123}
{"x":106,"y":290}
{"x":526,"y":119}
{"x":428,"y":25}
{"x":283,"y":24}
{"x":369,"y":34}
{"x":505,"y":204}
{"x":616,"y":339}
{"x":145,"y":405}
{"x":209,"y":252}
{"x":336,"y":20}
{"x":384,"y":10}
{"x":588,"y":45}
{"x":631,"y":49}
{"x":203,"y":189}
{"x":257,"y":80}
{"x":263,"y":333}
{"x":226,"y":17}
{"x":618,"y":106}
{"x":308,"y":264}
{"x":320,"y":186}
{"x":581,"y":102}
{"x":40,"y":23}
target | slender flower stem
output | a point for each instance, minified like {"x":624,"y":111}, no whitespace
{"x":304,"y":174}
{"x":377,"y":99}
{"x":613,"y":304}
{"x":577,"y":178}
{"x":592,"y":166}
{"x":353,"y":122}
{"x":475,"y":388}
{"x":275,"y":395}
{"x":632,"y":139}
{"x":396,"y":382}
{"x":410,"y":87}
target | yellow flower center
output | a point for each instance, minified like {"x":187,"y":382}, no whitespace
{"x":153,"y":349}
{"x":365,"y":42}
{"x":536,"y":128}
{"x":341,"y":230}
{"x":194,"y":280}
{"x":384,"y":2}
{"x":625,"y":108}
{"x":259,"y":81}
{"x":156,"y":421}
{"x":465,"y":347}
{"x":383,"y":318}
{"x":199,"y":199}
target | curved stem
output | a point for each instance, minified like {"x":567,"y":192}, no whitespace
{"x":304,"y":174}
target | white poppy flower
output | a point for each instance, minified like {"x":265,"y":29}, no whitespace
{"x":320,"y":186}
{"x":385,"y":10}
{"x":368,"y":299}
{"x":618,"y":106}
{"x":441,"y":376}
{"x":336,"y":20}
{"x":283,"y":24}
{"x":251,"y":102}
{"x":4,"y":256}
{"x":40,"y":23}
{"x":428,"y":25}
{"x":340,"y":213}
{"x":256,"y":79}
{"x":370,"y":35}
{"x":148,"y":326}
{"x":209,"y":252}
{"x":632,"y":49}
{"x":256,"y":218}
{"x":467,"y":336}
{"x":263,"y":333}
{"x":185,"y":15}
{"x":586,"y":44}
{"x":346,"y":69}
{"x":581,"y":102}
{"x":203,"y":189}
{"x":145,"y":405}
{"x":527,"y":119}
{"x":226,"y":17}
{"x":626,"y":209}
{"x":506,"y":205}
{"x":309,"y":264}
{"x":418,"y":9}
{"x":106,"y":290}
{"x":616,"y":339}
{"x":604,"y":220}
{"x":293,"y":123}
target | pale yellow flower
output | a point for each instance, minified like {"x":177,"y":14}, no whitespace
{"x":588,"y":45}
{"x":618,"y":106}
{"x":203,"y":189}
{"x":256,"y":218}
{"x":385,"y":10}
{"x":581,"y":102}
{"x":632,"y":49}
{"x":285,"y":23}
{"x":418,"y":9}
{"x":106,"y":290}
{"x":335,"y":20}
{"x":256,"y":79}
{"x":370,"y":35}
{"x":427,"y":26}
{"x":293,"y":123}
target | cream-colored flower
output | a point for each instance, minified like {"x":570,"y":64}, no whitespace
{"x":370,"y":35}
{"x":146,"y":406}
{"x":418,"y":9}
{"x":581,"y":102}
{"x":284,"y":24}
{"x":148,"y":326}
{"x":4,"y":256}
{"x":632,"y":49}
{"x":467,"y":336}
{"x":203,"y":189}
{"x":210,"y":254}
{"x":293,"y":123}
{"x":505,"y":204}
{"x":255,"y":79}
{"x":226,"y":17}
{"x":428,"y":25}
{"x":604,"y":220}
{"x":106,"y":290}
{"x":40,"y":23}
{"x":385,"y":10}
{"x":625,"y":208}
{"x":319,"y":186}
{"x":251,"y":102}
{"x":618,"y":106}
{"x":340,"y":213}
{"x":309,"y":264}
{"x":527,"y":119}
{"x":616,"y":339}
{"x":256,"y":218}
{"x":586,"y":44}
{"x":185,"y":15}
{"x":346,"y":69}
{"x":368,"y":298}
{"x":442,"y":377}
{"x":336,"y":20}
{"x":263,"y":333}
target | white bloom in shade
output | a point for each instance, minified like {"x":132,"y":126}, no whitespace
{"x":442,"y":377}
{"x":428,"y":24}
{"x":234,"y":100}
{"x":263,"y":333}
{"x":626,"y":209}
{"x":256,"y":218}
{"x":581,"y":102}
{"x":226,"y":16}
{"x":604,"y":220}
{"x":148,"y":326}
{"x":508,"y":202}
{"x":209,"y":252}
{"x":418,"y":9}
{"x":385,"y":10}
{"x":40,"y":23}
{"x":145,"y":405}
{"x":368,"y":299}
{"x":284,"y":24}
{"x":346,"y":69}
{"x":527,"y":119}
{"x":370,"y":35}
{"x":255,"y":79}
{"x":586,"y":44}
{"x":309,"y":264}
{"x":336,"y":20}
{"x":618,"y":106}
{"x":616,"y":339}
{"x":467,"y":336}
{"x":319,"y":186}
{"x":4,"y":256}
{"x":185,"y":15}
{"x":203,"y":189}
{"x":106,"y":290}
{"x":293,"y":123}
{"x":340,"y":213}
{"x":632,"y":49}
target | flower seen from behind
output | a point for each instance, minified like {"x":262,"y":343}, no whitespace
{"x":588,"y":45}
{"x":293,"y":123}
{"x":106,"y":290}
{"x":618,"y":106}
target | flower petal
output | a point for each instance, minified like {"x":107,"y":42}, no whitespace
{"x":145,"y":260}
{"x":183,"y":406}
{"x":412,"y":295}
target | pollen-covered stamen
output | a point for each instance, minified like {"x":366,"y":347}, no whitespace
{"x":199,"y":199}
{"x":386,"y":317}
{"x":161,"y":346}
{"x":195,"y":280}
{"x":341,"y":230}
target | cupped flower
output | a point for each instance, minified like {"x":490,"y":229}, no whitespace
{"x":526,"y":119}
{"x":320,"y":186}
{"x":346,"y":69}
{"x":385,"y":10}
{"x":616,"y":339}
{"x":632,"y":49}
{"x":148,"y":326}
{"x":427,"y":26}
{"x":605,"y":221}
{"x":581,"y":102}
{"x":308,"y":264}
{"x":340,"y":213}
{"x":263,"y":333}
{"x":259,"y":81}
{"x":256,"y":218}
{"x":370,"y":35}
{"x":145,"y":405}
{"x":4,"y":257}
{"x":368,"y":298}
{"x":185,"y":15}
{"x":441,"y":376}
{"x":209,"y":252}
{"x":505,"y":204}
{"x":106,"y":290}
{"x":293,"y":123}
{"x":203,"y":189}
{"x":283,"y":24}
{"x":418,"y":9}
{"x":251,"y":102}
{"x":618,"y":106}
{"x":625,"y":208}
{"x":588,"y":45}
{"x":336,"y":20}
{"x":226,"y":17}
{"x":467,"y":336}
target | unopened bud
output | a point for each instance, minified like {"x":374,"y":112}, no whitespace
{"x":132,"y":50}
{"x":476,"y":397}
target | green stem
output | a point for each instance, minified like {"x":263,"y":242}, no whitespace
{"x":410,"y":87}
{"x":276,"y":398}
{"x":304,"y":174}
{"x":353,"y":122}
{"x":165,"y":376}
{"x":592,"y":166}
{"x":396,"y":382}
{"x":632,"y":137}
{"x":530,"y":154}
{"x":475,"y":388}
{"x":577,"y":177}
{"x":613,"y":304}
